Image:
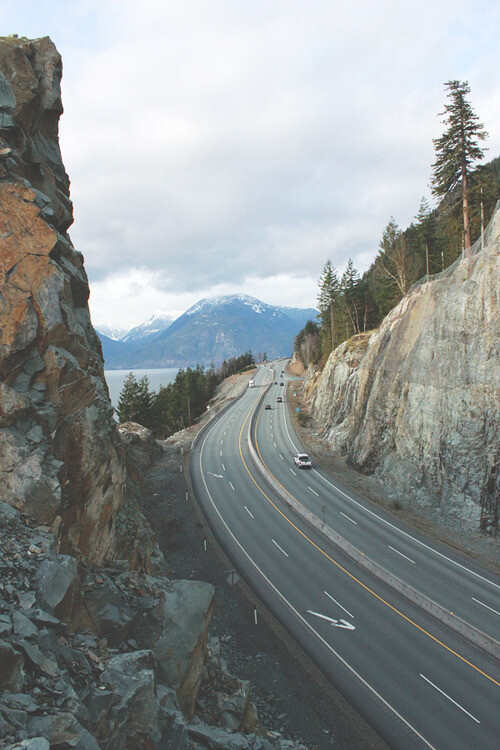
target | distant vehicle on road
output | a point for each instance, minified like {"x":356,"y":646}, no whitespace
{"x":251,"y":384}
{"x":267,"y":406}
{"x":282,"y":384}
{"x":302,"y":460}
{"x":279,"y":400}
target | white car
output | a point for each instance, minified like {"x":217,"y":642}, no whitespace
{"x":302,"y":460}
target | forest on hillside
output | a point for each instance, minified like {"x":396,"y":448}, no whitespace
{"x":179,"y":404}
{"x":356,"y":303}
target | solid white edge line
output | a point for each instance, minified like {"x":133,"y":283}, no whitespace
{"x":450,"y":699}
{"x":485,"y":605}
{"x":302,"y":619}
{"x":400,"y":553}
{"x":280,"y":548}
{"x":349,"y":519}
{"x":388,"y":523}
{"x":338,"y":604}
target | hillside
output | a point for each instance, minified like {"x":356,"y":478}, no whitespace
{"x":417,"y":402}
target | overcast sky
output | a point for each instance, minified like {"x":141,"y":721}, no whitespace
{"x":221,"y":146}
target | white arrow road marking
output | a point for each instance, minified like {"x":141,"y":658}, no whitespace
{"x":219,"y":476}
{"x":338,"y":604}
{"x":335,"y":623}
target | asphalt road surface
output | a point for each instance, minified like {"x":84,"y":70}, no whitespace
{"x":415,"y":681}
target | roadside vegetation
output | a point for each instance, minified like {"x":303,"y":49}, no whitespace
{"x":353,"y":303}
{"x":178,"y":404}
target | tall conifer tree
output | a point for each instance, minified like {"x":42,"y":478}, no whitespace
{"x":457,"y":149}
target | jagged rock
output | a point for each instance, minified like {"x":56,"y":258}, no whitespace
{"x":177,"y":630}
{"x":60,"y":454}
{"x":11,"y":669}
{"x":109,"y":611}
{"x":133,"y":721}
{"x":62,"y":730}
{"x":35,"y":743}
{"x":58,"y":590}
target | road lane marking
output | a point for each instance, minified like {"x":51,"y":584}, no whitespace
{"x":485,"y":605}
{"x":223,"y":467}
{"x":220,"y":453}
{"x":450,"y":699}
{"x":248,"y":511}
{"x":314,"y":493}
{"x":388,"y":523}
{"x":292,"y":470}
{"x":232,"y":486}
{"x":349,"y":519}
{"x":338,"y":565}
{"x":338,"y":604}
{"x":400,"y":553}
{"x":280,"y":548}
{"x":275,"y":445}
{"x":295,"y":611}
{"x":219,"y":476}
{"x":279,"y":454}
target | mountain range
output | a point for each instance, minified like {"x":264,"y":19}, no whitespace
{"x":211,"y":331}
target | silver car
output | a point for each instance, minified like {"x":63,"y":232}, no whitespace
{"x":302,"y":460}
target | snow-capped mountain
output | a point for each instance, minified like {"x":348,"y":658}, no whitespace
{"x":112,"y":332}
{"x":158,"y":321}
{"x":212,"y":330}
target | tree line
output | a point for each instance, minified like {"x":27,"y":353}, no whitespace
{"x":178,"y":404}
{"x":356,"y":303}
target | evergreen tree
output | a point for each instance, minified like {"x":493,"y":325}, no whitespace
{"x":329,"y":290}
{"x":457,"y":149}
{"x":134,"y":404}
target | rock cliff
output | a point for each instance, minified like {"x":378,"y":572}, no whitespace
{"x":418,"y":401}
{"x":60,"y":454}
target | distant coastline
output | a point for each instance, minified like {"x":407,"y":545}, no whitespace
{"x":157,"y":377}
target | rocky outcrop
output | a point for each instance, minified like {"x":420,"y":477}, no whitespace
{"x":421,"y":407}
{"x":60,"y":455}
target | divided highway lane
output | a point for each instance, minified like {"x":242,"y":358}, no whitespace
{"x":384,"y":654}
{"x":471,"y":593}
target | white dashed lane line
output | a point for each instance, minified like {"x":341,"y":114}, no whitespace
{"x":400,"y":553}
{"x":450,"y":699}
{"x":314,"y":493}
{"x":349,"y":519}
{"x":280,"y":548}
{"x":248,"y":511}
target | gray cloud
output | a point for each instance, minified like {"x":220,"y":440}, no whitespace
{"x":232,"y":146}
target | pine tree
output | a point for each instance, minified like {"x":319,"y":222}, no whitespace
{"x":329,"y":289}
{"x":457,"y":149}
{"x":134,"y":404}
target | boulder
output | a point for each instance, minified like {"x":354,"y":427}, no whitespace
{"x":11,"y":669}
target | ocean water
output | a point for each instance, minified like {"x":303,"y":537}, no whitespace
{"x":116,"y":378}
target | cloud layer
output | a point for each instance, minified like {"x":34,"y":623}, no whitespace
{"x":224,"y":146}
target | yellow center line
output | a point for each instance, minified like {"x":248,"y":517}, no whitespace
{"x":353,"y":577}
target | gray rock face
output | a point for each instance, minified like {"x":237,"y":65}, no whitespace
{"x":422,"y":408}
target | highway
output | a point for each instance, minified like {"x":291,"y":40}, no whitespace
{"x":415,"y":681}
